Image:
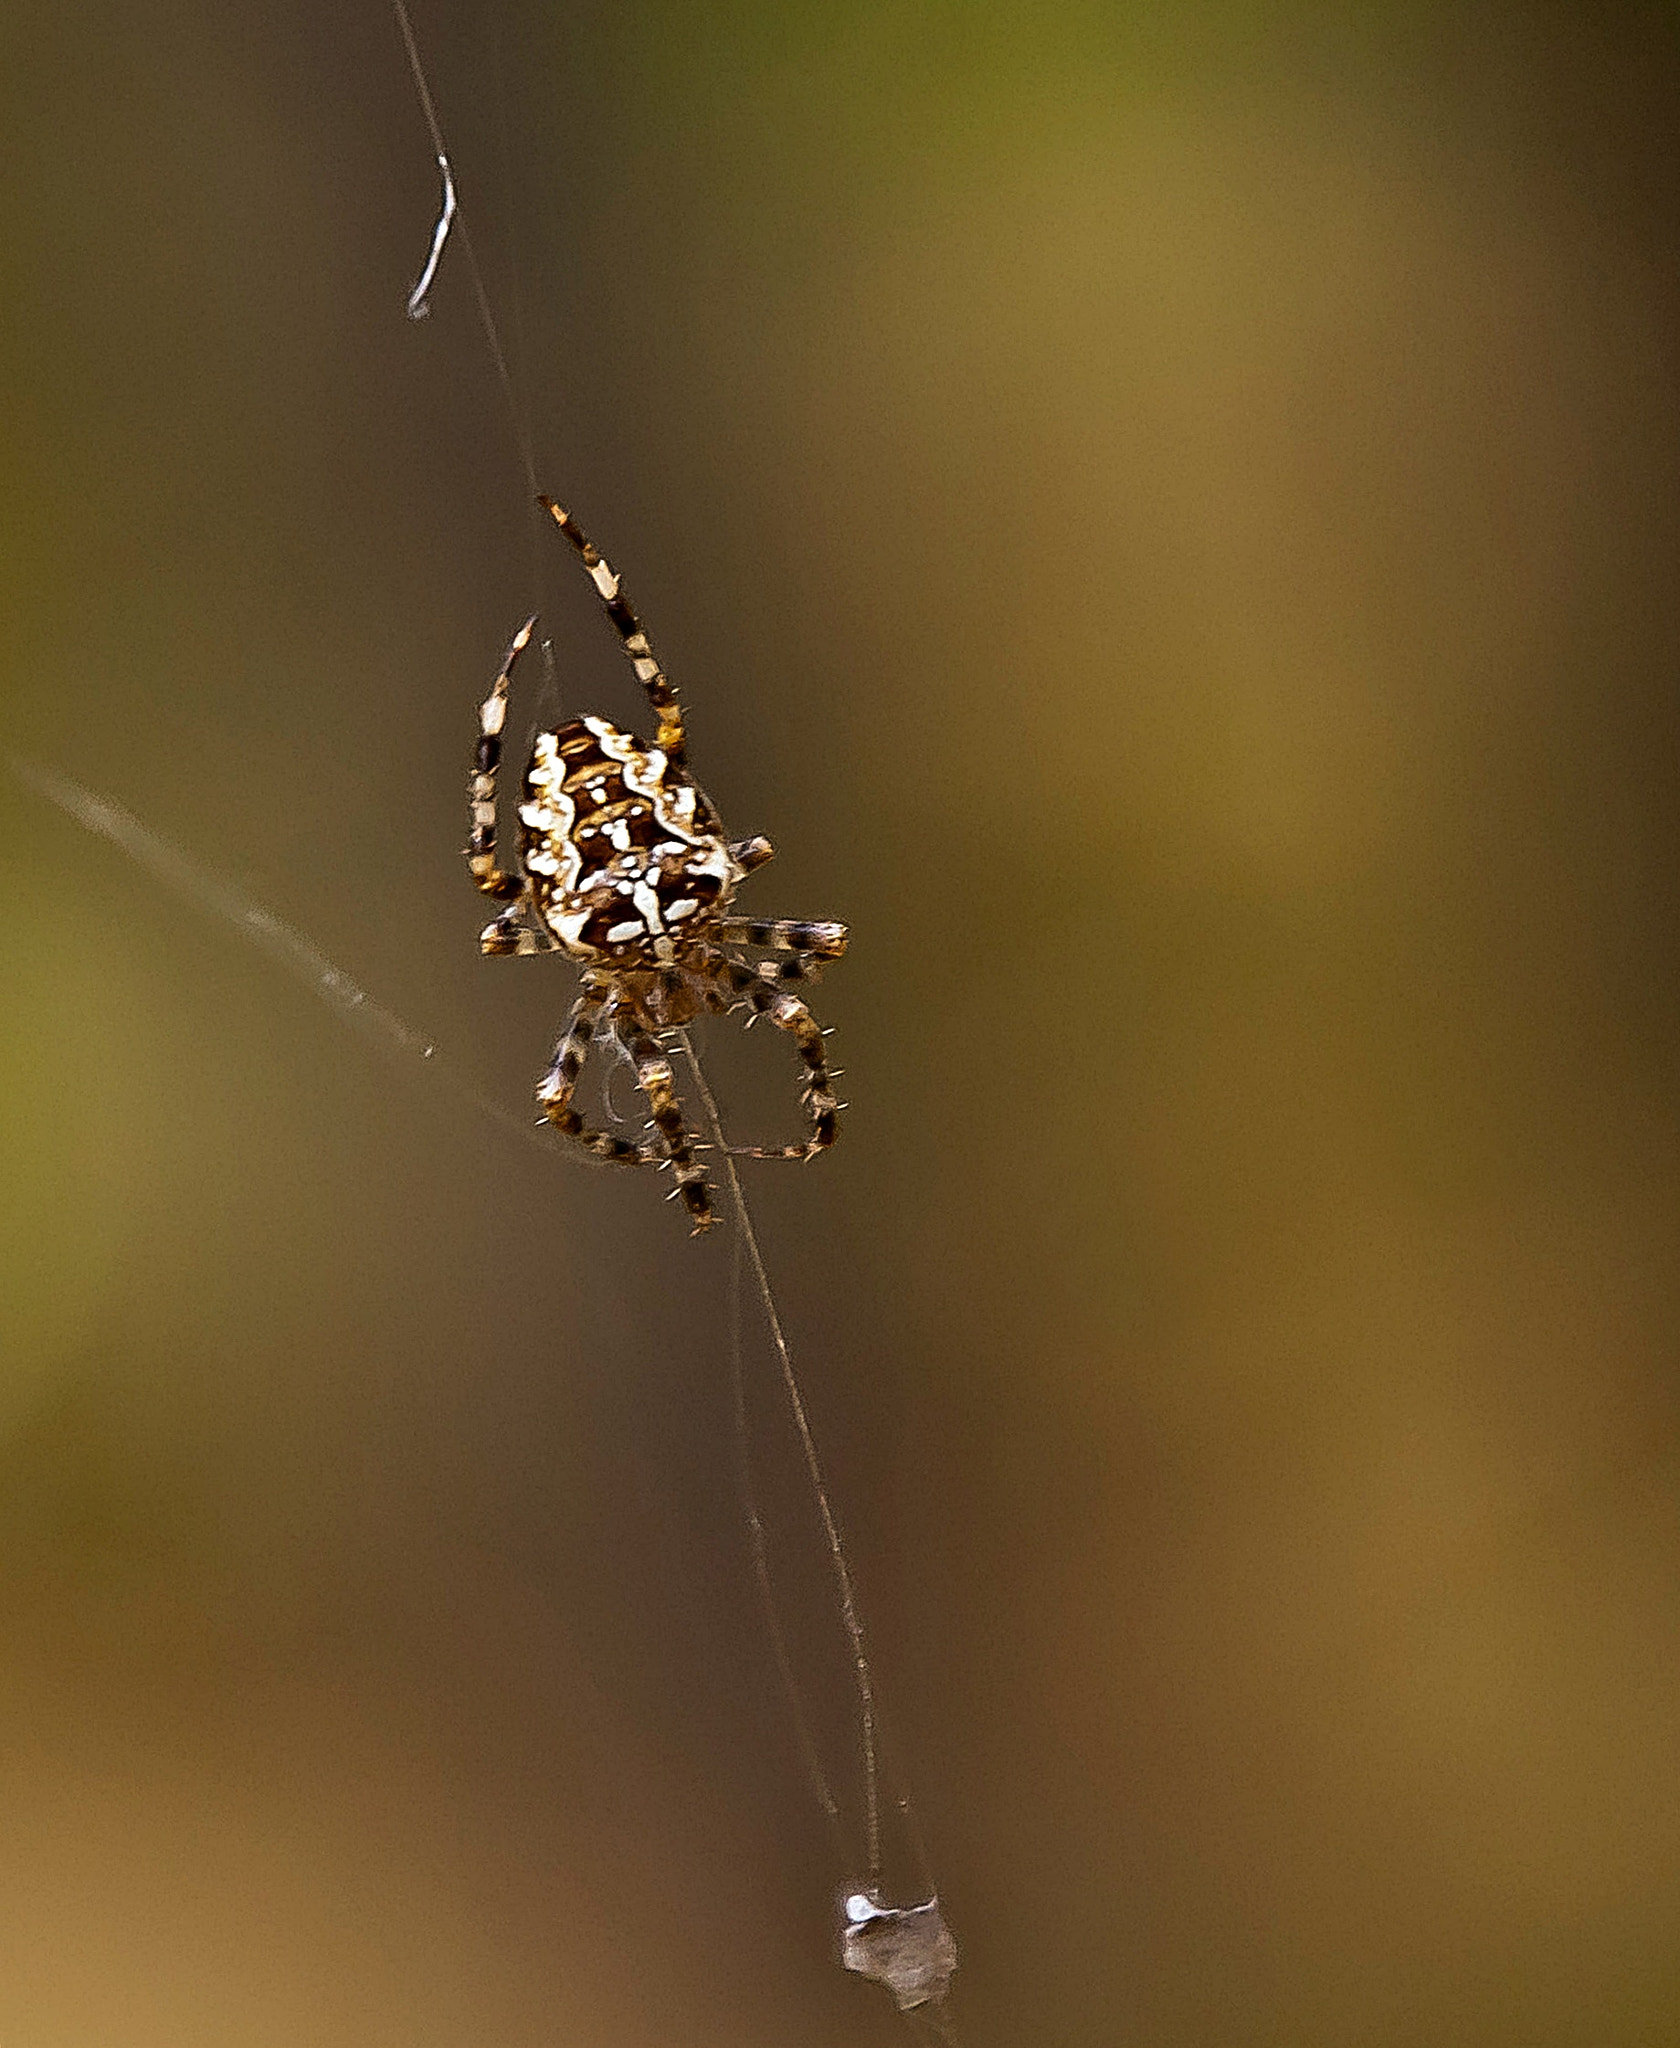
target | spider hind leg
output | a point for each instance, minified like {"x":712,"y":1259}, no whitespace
{"x":481,"y":790}
{"x":661,"y":691}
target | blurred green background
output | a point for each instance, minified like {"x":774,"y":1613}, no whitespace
{"x":1168,"y":516}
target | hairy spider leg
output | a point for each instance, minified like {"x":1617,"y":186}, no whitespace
{"x":788,"y":967}
{"x":481,"y":791}
{"x":661,"y":691}
{"x":654,"y":1077}
{"x":805,"y":946}
{"x":823,"y":941}
{"x":559,"y":1084}
{"x":789,"y":1014}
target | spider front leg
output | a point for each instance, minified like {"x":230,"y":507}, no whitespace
{"x":559,"y":1084}
{"x":655,"y":1079}
{"x":789,"y":1014}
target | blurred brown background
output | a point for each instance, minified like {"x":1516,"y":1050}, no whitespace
{"x":1171,"y":525}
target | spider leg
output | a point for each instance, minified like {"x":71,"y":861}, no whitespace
{"x":785,"y":1010}
{"x":804,"y":946}
{"x":661,"y":690}
{"x":506,"y":934}
{"x":559,"y":1084}
{"x":481,"y":790}
{"x":785,"y":935}
{"x":748,"y":854}
{"x":654,"y":1077}
{"x":790,"y":967}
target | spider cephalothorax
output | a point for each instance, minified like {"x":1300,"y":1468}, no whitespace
{"x":626,"y":868}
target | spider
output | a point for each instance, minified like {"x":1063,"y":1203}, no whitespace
{"x":626,"y":869}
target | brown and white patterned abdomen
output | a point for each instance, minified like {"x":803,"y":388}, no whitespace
{"x":626,"y":857}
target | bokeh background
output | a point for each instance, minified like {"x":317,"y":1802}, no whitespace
{"x":1168,"y":515}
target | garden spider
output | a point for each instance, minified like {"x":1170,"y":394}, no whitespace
{"x":626,"y":869}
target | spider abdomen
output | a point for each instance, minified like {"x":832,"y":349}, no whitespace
{"x":626,"y":856}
